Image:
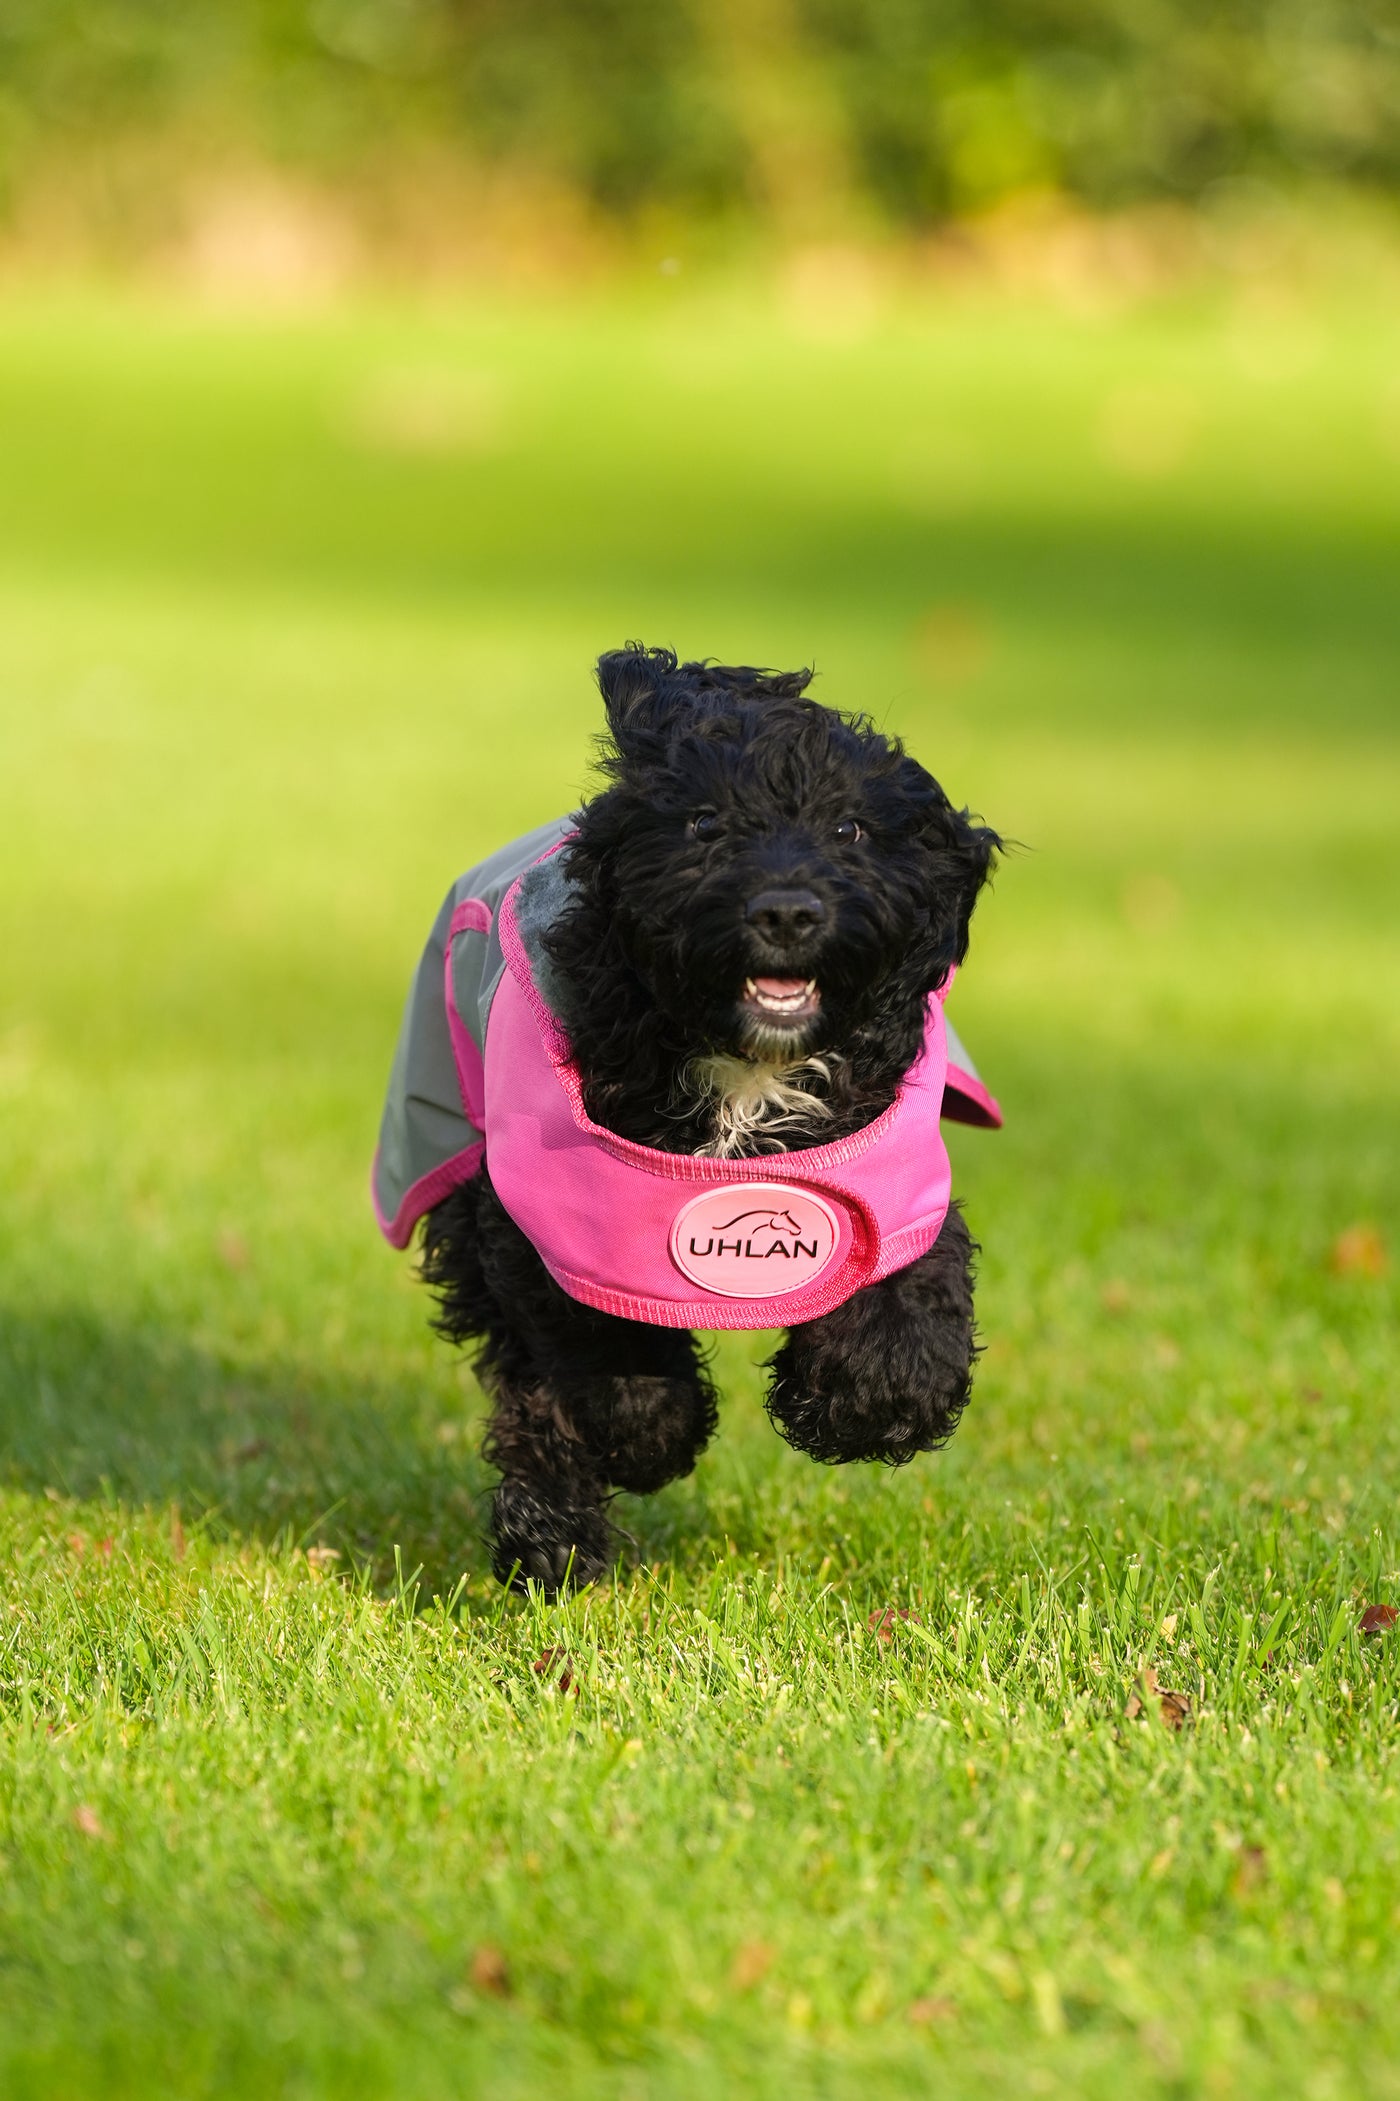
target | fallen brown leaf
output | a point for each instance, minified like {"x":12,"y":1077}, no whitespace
{"x":490,"y":1972}
{"x":881,"y":1624}
{"x":545,"y":1665}
{"x":1176,"y":1709}
{"x":1359,"y":1252}
{"x":1173,"y":1708}
{"x":922,"y":2012}
{"x":751,"y":1965}
{"x":89,"y":1822}
{"x":1378,"y":1619}
{"x":232,"y":1250}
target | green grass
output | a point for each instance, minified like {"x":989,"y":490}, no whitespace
{"x":296,"y":616}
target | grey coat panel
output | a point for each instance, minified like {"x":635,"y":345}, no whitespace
{"x":425,"y":1125}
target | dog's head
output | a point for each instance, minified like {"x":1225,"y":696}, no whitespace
{"x":779,"y":875}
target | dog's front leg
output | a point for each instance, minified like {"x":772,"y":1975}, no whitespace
{"x":888,"y":1373}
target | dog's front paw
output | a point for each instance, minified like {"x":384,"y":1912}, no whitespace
{"x":559,"y":1545}
{"x":870,"y":1420}
{"x":849,"y":1386}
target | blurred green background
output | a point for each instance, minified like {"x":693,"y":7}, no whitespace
{"x":364,"y":371}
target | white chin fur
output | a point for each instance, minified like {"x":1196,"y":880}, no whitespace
{"x":757,"y":1101}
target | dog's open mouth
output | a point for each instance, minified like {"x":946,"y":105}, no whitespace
{"x":781,"y":999}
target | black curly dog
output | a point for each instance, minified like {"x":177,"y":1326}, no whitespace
{"x":746,"y":831}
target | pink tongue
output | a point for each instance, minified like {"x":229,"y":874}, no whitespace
{"x":779,"y":988}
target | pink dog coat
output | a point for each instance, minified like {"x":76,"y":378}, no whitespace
{"x":483,"y":1068}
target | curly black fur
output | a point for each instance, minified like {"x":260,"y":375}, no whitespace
{"x":745,"y":833}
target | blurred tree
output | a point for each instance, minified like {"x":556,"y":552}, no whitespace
{"x":800,"y":114}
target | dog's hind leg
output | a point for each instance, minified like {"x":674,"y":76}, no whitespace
{"x":887,"y":1374}
{"x":583,"y":1402}
{"x":548,"y":1522}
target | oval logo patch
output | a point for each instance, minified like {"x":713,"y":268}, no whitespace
{"x":753,"y":1240}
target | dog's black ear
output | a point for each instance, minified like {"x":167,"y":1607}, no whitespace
{"x":631,"y":681}
{"x":964,"y":854}
{"x":645,"y":689}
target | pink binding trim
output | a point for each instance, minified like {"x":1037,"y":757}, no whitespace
{"x":783,"y":1310}
{"x":428,"y":1190}
{"x":473,"y":915}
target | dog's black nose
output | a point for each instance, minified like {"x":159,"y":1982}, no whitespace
{"x":785,"y":915}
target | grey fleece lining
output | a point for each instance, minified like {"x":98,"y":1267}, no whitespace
{"x":543,"y":893}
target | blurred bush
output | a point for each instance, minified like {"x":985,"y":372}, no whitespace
{"x":791,"y":114}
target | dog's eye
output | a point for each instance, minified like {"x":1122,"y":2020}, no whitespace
{"x":706,"y":826}
{"x":848,"y":831}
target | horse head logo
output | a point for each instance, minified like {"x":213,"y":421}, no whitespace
{"x":758,"y":1221}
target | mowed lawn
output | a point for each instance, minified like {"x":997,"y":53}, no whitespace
{"x":296,"y":620}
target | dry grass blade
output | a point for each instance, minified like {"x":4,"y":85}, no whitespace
{"x":1251,"y":1872}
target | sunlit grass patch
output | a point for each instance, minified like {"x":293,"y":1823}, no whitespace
{"x":851,"y":1781}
